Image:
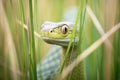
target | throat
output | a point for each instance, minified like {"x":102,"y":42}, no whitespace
{"x":78,"y":72}
{"x":71,"y":54}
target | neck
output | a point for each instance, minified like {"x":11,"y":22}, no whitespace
{"x":78,"y":72}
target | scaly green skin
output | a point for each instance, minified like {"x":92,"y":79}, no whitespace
{"x":54,"y":33}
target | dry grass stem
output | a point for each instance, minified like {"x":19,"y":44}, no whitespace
{"x":9,"y":42}
{"x":98,"y":26}
{"x":26,"y":27}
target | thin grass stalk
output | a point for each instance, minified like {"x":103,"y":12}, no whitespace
{"x":36,"y":20}
{"x":26,"y":27}
{"x":25,"y":42}
{"x":82,"y":20}
{"x":22,"y":11}
{"x":72,"y":38}
{"x":98,"y":25}
{"x":33,"y":75}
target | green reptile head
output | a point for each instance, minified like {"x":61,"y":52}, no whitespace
{"x":57,"y":33}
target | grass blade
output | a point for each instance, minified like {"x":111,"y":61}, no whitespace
{"x":72,"y":38}
{"x":33,"y":75}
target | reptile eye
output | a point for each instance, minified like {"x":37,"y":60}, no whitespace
{"x":51,"y":30}
{"x":64,"y":29}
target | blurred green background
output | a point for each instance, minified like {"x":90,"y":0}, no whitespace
{"x":15,"y":41}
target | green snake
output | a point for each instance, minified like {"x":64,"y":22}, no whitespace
{"x":60,"y":34}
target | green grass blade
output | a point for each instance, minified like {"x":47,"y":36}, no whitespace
{"x":72,"y":38}
{"x":24,"y":40}
{"x":33,"y":75}
{"x":82,"y":20}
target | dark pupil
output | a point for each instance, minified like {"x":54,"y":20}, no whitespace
{"x":65,"y":30}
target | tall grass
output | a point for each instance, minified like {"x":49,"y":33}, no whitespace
{"x":21,"y":51}
{"x":33,"y":75}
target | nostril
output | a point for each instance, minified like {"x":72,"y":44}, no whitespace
{"x":51,"y":30}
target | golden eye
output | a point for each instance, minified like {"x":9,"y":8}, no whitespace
{"x":64,"y":29}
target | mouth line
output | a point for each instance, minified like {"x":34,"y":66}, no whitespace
{"x":61,"y":42}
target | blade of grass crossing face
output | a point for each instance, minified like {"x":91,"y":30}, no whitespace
{"x":82,"y":10}
{"x":72,"y":38}
{"x":33,"y":75}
